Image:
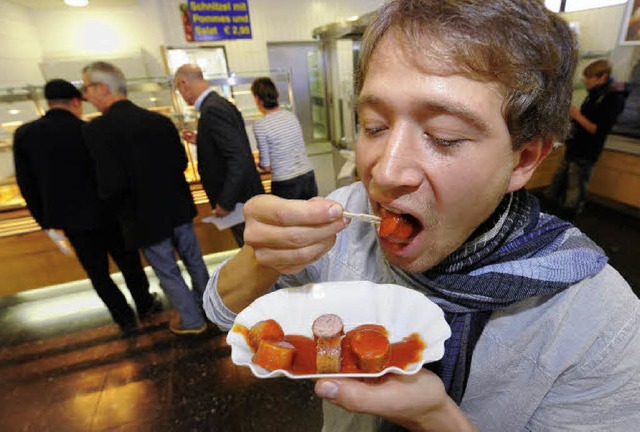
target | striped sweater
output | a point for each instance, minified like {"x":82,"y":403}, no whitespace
{"x":281,"y":145}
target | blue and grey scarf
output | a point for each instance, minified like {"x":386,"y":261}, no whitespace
{"x":516,"y":254}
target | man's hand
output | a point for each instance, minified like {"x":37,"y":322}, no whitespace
{"x":220,"y":212}
{"x":189,"y":136}
{"x":574,"y":112}
{"x":288,"y":235}
{"x":417,"y":402}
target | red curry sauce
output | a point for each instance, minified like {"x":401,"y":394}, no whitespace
{"x":403,"y":353}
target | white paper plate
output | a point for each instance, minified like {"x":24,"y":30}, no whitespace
{"x":402,"y":311}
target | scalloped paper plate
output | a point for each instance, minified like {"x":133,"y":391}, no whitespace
{"x":402,"y":311}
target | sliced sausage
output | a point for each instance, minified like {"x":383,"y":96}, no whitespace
{"x":268,"y":330}
{"x":395,"y":226}
{"x":328,"y":354}
{"x":328,"y":330}
{"x":372,"y":350}
{"x":274,"y":355}
{"x":328,"y":326}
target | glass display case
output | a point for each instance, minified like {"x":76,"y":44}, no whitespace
{"x":19,"y":105}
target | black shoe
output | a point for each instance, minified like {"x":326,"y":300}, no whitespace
{"x":156,"y":306}
{"x":128,"y":329}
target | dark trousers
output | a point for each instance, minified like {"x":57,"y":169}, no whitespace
{"x":238,"y":233}
{"x":92,"y":249}
{"x":301,"y":187}
{"x":568,"y":190}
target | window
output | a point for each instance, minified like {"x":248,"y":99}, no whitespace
{"x":578,"y":5}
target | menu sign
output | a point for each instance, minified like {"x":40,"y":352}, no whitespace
{"x":216,"y":20}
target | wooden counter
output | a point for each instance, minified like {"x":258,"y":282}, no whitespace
{"x":29,"y":258}
{"x":616,"y":175}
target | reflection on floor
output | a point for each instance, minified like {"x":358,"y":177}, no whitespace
{"x":64,"y":366}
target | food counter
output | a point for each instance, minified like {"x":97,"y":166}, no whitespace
{"x":616,"y":176}
{"x":30,"y":259}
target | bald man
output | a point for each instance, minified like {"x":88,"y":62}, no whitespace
{"x":227,"y":169}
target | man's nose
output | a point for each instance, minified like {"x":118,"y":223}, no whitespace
{"x":399,"y":164}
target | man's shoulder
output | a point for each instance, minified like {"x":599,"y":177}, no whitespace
{"x":127,"y":113}
{"x":28,"y":127}
{"x":44,"y":125}
{"x":215,"y":101}
{"x":590,"y":310}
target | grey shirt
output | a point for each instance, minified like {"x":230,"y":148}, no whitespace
{"x":570,"y":362}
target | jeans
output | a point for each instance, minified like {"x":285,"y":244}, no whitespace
{"x":162,"y":258}
{"x":92,"y":249}
{"x":568,"y":189}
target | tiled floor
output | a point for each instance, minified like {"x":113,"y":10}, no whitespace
{"x":64,"y":367}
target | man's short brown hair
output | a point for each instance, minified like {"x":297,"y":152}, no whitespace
{"x":529,"y":51}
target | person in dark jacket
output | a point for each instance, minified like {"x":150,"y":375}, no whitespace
{"x":590,"y":126}
{"x":57,"y":180}
{"x":140,"y":164}
{"x":225,"y":162}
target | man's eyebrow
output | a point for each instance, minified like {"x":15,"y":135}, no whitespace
{"x":435,"y":107}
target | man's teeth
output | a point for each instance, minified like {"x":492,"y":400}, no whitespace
{"x":391,"y":210}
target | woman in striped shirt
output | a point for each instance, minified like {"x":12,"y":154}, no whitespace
{"x":281,"y":145}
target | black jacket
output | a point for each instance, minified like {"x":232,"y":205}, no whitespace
{"x":140,"y":164}
{"x":225,"y":162}
{"x":602,"y":106}
{"x":55,"y":173}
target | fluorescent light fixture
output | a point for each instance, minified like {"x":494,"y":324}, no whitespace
{"x":76,"y":3}
{"x":14,"y":111}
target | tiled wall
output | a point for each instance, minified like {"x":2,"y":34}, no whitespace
{"x":56,"y":35}
{"x":20,"y":50}
{"x":600,"y":32}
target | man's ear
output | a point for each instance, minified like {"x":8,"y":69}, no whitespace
{"x":526,"y":160}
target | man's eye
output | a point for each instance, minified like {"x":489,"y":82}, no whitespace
{"x":370,"y":131}
{"x":447,"y":143}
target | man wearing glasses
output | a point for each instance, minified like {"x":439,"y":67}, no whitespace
{"x":140,"y":164}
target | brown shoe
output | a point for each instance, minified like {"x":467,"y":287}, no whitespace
{"x":175,"y":326}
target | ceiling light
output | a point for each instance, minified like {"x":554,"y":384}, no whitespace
{"x":76,"y":3}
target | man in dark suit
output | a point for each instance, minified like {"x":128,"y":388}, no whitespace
{"x":225,"y":162}
{"x":140,"y":164}
{"x":57,"y":180}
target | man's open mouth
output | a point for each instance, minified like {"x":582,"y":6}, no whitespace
{"x":398,"y":227}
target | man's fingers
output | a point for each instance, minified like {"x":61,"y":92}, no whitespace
{"x":265,"y":235}
{"x":352,"y":395}
{"x":273,"y":210}
{"x":291,"y":261}
{"x":390,"y":396}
